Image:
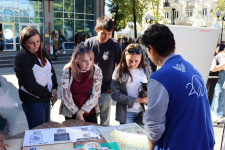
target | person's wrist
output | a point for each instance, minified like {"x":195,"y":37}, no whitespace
{"x":137,"y":100}
{"x":81,"y":111}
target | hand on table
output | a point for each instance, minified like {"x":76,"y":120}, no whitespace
{"x":53,"y":99}
{"x":80,"y":115}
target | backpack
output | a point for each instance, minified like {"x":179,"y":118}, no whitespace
{"x":62,"y":38}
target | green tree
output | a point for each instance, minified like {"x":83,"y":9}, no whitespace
{"x":115,"y":8}
{"x":127,"y":11}
{"x":155,"y":9}
{"x":58,"y":5}
{"x":219,"y":5}
{"x":138,"y":9}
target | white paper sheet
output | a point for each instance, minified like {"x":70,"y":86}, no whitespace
{"x":83,"y":128}
{"x":59,"y":135}
{"x":86,"y":133}
{"x":36,"y":137}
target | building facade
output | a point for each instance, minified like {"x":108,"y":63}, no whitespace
{"x":189,"y":12}
{"x":48,"y":16}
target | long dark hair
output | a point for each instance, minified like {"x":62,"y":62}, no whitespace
{"x":54,"y":36}
{"x":123,"y":68}
{"x":25,"y":34}
{"x":82,"y":38}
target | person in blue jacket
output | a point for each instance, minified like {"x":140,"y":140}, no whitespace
{"x":178,"y":113}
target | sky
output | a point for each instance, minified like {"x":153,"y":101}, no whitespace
{"x":106,"y":8}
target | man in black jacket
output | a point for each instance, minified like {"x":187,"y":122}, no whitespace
{"x":107,"y":53}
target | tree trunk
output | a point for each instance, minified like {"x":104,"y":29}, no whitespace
{"x":135,"y":26}
{"x":115,"y":19}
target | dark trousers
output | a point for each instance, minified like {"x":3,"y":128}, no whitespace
{"x":211,"y":83}
{"x":92,"y":118}
{"x":1,"y":45}
{"x":55,"y":53}
{"x":37,"y":113}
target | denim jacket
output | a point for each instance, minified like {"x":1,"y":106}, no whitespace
{"x":119,"y":93}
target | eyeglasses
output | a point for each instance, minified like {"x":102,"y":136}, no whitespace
{"x":82,"y":50}
{"x":134,"y":50}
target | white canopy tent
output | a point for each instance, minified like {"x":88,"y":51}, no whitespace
{"x":142,"y":32}
{"x":127,"y":32}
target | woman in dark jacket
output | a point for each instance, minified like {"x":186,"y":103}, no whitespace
{"x":61,"y":41}
{"x":36,"y":77}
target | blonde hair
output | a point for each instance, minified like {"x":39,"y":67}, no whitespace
{"x":75,"y":70}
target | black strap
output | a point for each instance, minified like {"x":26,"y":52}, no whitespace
{"x":143,"y":107}
{"x":69,"y":73}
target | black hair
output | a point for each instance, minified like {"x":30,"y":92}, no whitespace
{"x":138,"y":40}
{"x":105,"y":22}
{"x":161,"y":38}
{"x":82,"y":38}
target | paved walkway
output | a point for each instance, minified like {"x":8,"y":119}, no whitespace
{"x":10,"y":105}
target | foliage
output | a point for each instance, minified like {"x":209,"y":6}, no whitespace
{"x":219,"y":5}
{"x":127,"y":11}
{"x":140,"y":7}
{"x":58,"y":5}
{"x":155,"y":10}
{"x":115,"y":8}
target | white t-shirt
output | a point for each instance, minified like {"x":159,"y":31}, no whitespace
{"x":220,"y":58}
{"x":138,"y":76}
{"x":48,"y":69}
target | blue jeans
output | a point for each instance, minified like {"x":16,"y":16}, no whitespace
{"x":133,"y":117}
{"x":218,"y":97}
{"x":63,"y":46}
{"x":105,"y":103}
{"x":37,"y":113}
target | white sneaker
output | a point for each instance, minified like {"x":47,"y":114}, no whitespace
{"x":64,"y":52}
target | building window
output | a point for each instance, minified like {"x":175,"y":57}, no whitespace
{"x":166,"y":14}
{"x":166,"y":3}
{"x":189,"y":12}
{"x":71,"y":15}
{"x":22,"y":11}
{"x":204,"y":11}
{"x":176,"y":14}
